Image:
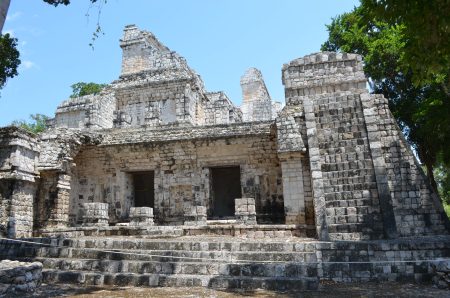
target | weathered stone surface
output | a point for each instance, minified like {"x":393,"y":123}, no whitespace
{"x":141,"y":216}
{"x":366,"y":182}
{"x":245,"y":210}
{"x":95,"y":214}
{"x":19,"y":277}
{"x":256,"y":102}
{"x":332,"y":159}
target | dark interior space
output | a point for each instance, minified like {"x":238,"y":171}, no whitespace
{"x":226,"y":186}
{"x":144,"y":189}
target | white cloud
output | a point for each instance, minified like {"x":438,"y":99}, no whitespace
{"x":27,"y":64}
{"x":12,"y":16}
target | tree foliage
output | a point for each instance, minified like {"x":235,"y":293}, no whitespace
{"x":420,"y":105}
{"x":64,"y":2}
{"x":37,"y":124}
{"x":9,"y":55}
{"x":427,"y":30}
{"x":9,"y":58}
{"x":82,"y":89}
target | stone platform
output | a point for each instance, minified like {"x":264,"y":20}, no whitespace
{"x":226,"y":262}
{"x":19,"y":277}
{"x":210,"y":228}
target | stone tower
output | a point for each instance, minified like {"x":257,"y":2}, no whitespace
{"x":256,"y":102}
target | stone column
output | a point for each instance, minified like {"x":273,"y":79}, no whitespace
{"x":95,"y":214}
{"x":18,"y":153}
{"x":52,"y":210}
{"x":141,"y":216}
{"x":293,"y":192}
{"x":245,"y":210}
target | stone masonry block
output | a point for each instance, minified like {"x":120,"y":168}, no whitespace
{"x":245,"y":210}
{"x":141,"y":216}
{"x":95,"y":214}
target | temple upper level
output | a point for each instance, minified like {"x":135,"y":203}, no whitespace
{"x":157,"y":87}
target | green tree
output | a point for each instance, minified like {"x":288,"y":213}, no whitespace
{"x":82,"y":89}
{"x":422,"y":107}
{"x":427,"y":30}
{"x":37,"y":124}
{"x":9,"y":58}
{"x":9,"y":55}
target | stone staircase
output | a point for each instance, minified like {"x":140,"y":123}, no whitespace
{"x":215,"y":262}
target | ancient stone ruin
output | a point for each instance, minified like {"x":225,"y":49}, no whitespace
{"x":156,"y":154}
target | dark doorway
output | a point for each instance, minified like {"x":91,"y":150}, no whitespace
{"x":226,"y":186}
{"x":144,"y":189}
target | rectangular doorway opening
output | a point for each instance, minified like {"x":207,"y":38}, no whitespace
{"x":144,"y":189}
{"x":225,"y":187}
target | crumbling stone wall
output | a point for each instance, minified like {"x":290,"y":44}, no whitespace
{"x":416,"y":208}
{"x":18,"y":156}
{"x":361,"y":180}
{"x":256,"y":102}
{"x":220,"y":110}
{"x":90,"y":111}
{"x":181,"y":167}
{"x":58,"y":148}
{"x":332,"y":157}
{"x":156,"y":85}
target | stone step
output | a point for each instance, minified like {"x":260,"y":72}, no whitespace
{"x":89,"y":278}
{"x":192,"y":245}
{"x":288,"y":270}
{"x":172,"y":256}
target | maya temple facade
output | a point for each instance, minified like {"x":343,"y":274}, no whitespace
{"x":156,"y":149}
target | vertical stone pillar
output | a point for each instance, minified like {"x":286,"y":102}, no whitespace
{"x":245,"y":210}
{"x":16,"y":207}
{"x":52,"y":210}
{"x":375,"y":144}
{"x":18,"y":153}
{"x":291,"y":151}
{"x":293,"y":192}
{"x":316,"y":172}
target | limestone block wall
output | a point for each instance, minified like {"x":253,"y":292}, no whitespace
{"x":182,"y":173}
{"x":344,"y":183}
{"x":52,"y":203}
{"x":365,"y":181}
{"x":18,"y":157}
{"x":16,"y":207}
{"x":276,"y":108}
{"x":219,"y":109}
{"x":416,"y":208}
{"x":157,"y":104}
{"x":256,"y":102}
{"x":18,"y":154}
{"x":90,"y":111}
{"x":142,"y":51}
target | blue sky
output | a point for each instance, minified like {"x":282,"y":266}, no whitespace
{"x":219,"y":39}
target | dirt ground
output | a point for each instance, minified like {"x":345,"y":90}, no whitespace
{"x":385,"y":289}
